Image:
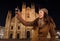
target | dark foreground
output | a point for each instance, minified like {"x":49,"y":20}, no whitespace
{"x":19,"y":40}
{"x":14,"y":40}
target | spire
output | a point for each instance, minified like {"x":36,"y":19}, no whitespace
{"x":32,"y":6}
{"x":16,"y":9}
{"x":24,"y":5}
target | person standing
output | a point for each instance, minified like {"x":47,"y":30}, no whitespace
{"x":41,"y":26}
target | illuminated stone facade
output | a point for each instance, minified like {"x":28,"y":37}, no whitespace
{"x":14,"y":29}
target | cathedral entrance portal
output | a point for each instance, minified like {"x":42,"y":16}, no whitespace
{"x":18,"y":36}
{"x":28,"y":34}
{"x":11,"y":36}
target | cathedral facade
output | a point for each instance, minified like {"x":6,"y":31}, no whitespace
{"x":14,"y":29}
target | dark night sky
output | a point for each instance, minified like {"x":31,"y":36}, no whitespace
{"x":52,"y":6}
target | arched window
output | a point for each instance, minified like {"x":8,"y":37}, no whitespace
{"x":18,"y":27}
{"x":11,"y":27}
{"x":28,"y":16}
